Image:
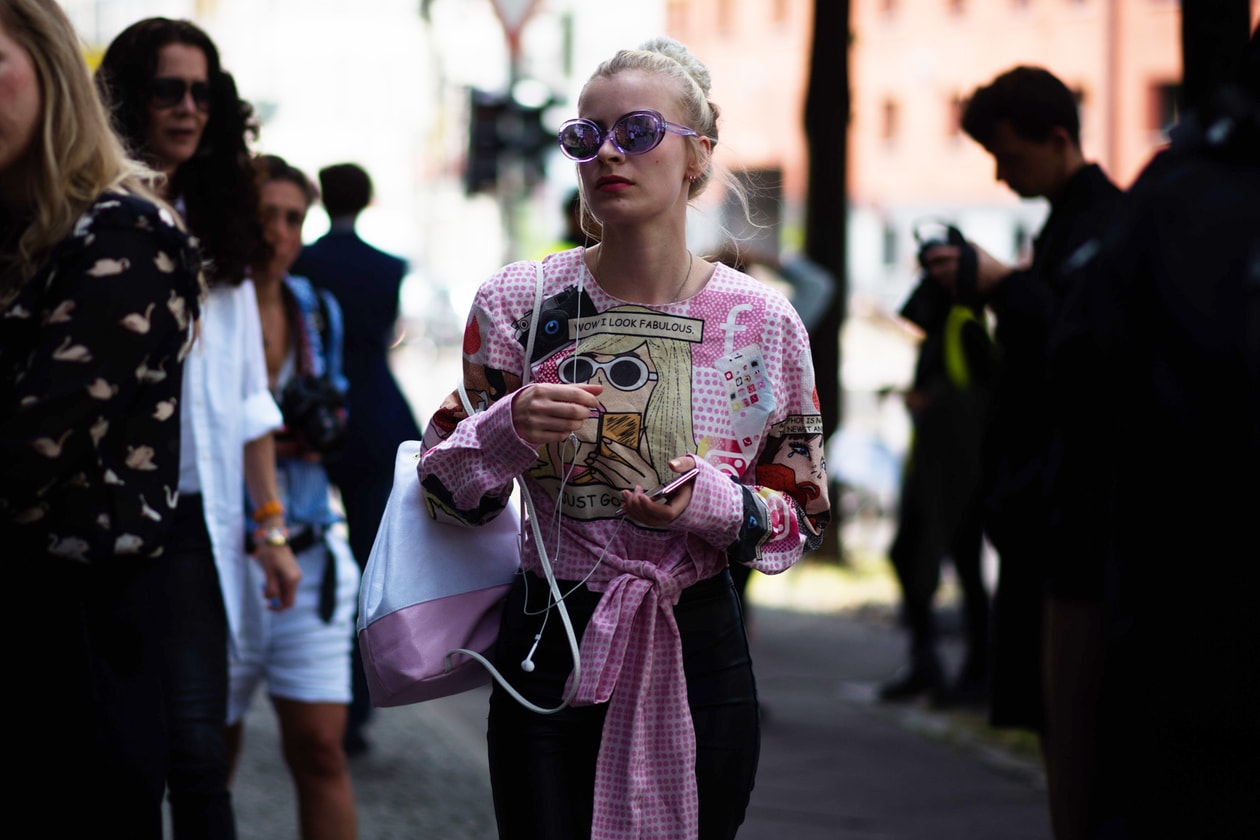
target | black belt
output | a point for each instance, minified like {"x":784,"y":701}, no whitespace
{"x":308,"y":537}
{"x":300,"y":541}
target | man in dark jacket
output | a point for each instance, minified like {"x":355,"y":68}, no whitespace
{"x":1175,"y":308}
{"x":366,"y":282}
{"x":1047,"y":606}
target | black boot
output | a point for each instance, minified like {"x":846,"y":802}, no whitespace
{"x":923,"y":677}
{"x":970,"y":691}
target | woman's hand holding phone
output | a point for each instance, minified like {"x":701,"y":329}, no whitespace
{"x":661,"y":506}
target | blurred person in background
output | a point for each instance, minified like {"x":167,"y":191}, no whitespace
{"x":178,"y":110}
{"x":939,"y":513}
{"x":99,"y":296}
{"x":302,"y":654}
{"x":366,"y":283}
{"x":1172,"y":304}
{"x":1046,"y":669}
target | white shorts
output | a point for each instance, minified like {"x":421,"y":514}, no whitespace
{"x":299,"y":656}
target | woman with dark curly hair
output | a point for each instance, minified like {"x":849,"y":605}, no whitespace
{"x":178,"y":110}
{"x":207,"y":169}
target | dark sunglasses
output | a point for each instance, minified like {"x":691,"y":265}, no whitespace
{"x":167,"y":92}
{"x":625,"y":373}
{"x":634,"y":134}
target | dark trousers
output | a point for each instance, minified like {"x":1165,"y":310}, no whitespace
{"x":88,"y":740}
{"x":542,"y":767}
{"x":1017,"y":684}
{"x":196,"y":665}
{"x":916,"y":557}
{"x":364,"y":492}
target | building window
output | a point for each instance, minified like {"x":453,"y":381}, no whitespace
{"x":676,"y":17}
{"x":957,"y":104}
{"x":888,"y":125}
{"x":888,"y":246}
{"x":1165,"y":105}
{"x":726,"y":17}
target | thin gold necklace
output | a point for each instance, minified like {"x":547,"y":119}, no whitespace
{"x":691,"y":259}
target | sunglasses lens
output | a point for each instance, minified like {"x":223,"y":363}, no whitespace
{"x":576,"y":369}
{"x":638,"y":133}
{"x":167,"y":92}
{"x":627,"y":374}
{"x":201,"y":95}
{"x":580,"y":140}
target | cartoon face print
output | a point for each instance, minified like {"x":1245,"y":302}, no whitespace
{"x":613,"y":445}
{"x":793,"y":463}
{"x":644,"y":415}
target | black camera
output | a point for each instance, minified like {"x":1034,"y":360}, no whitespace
{"x":930,"y":233}
{"x":314,"y":409}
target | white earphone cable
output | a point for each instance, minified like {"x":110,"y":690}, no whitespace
{"x":530,"y":515}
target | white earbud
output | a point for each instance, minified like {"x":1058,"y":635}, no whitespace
{"x":527,"y":664}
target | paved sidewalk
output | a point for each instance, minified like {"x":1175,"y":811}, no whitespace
{"x":838,"y":765}
{"x":835,"y":764}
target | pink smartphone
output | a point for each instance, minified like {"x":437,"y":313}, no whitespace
{"x":664,"y":490}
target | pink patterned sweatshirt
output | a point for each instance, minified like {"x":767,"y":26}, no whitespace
{"x":725,"y":376}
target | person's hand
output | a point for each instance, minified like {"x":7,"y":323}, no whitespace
{"x":627,"y":466}
{"x":283,"y":574}
{"x":549,"y":413}
{"x":916,"y":401}
{"x":941,"y":264}
{"x":655,"y":513}
{"x":990,"y":271}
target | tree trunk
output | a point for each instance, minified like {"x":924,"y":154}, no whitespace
{"x":826,"y":203}
{"x":826,"y":211}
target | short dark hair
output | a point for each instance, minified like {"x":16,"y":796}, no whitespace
{"x":347,"y":189}
{"x":1033,"y":100}
{"x":275,"y":168}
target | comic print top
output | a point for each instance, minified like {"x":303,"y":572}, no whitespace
{"x":91,"y":364}
{"x":725,"y":376}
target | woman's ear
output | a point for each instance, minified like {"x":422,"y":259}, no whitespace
{"x":700,"y":158}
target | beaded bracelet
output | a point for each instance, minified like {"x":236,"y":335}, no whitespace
{"x":267,"y":510}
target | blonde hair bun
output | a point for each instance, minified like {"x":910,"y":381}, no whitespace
{"x":678,"y":52}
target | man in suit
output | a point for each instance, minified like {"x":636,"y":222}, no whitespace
{"x":366,"y":282}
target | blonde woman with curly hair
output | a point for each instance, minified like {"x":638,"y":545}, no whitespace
{"x":648,"y":361}
{"x":99,"y":297}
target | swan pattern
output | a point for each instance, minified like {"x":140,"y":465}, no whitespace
{"x":90,"y":375}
